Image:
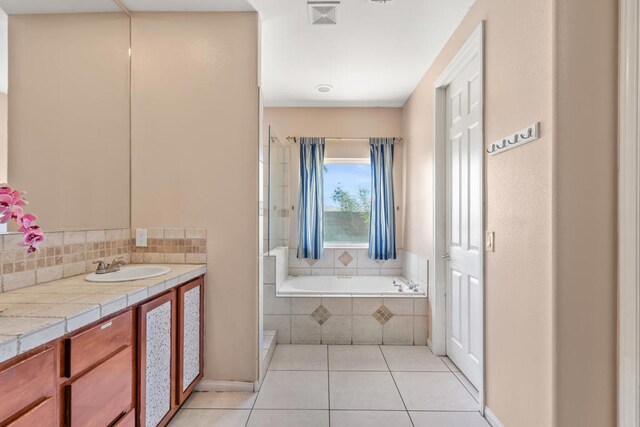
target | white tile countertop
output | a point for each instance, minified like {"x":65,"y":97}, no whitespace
{"x":36,"y":315}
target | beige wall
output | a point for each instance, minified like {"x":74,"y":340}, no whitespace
{"x":339,"y":123}
{"x":518,"y":87}
{"x":195,"y":133}
{"x":4,"y":137}
{"x":69,"y":117}
{"x":585,"y":214}
{"x":550,"y":334}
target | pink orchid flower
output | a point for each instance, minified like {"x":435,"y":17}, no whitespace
{"x":27,"y":221}
{"x":32,"y":238}
{"x":11,"y":204}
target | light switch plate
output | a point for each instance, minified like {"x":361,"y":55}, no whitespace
{"x":141,"y":237}
{"x":489,"y":241}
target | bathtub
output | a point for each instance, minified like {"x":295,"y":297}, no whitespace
{"x":346,"y":286}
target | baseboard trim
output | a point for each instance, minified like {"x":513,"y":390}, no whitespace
{"x":216,"y":385}
{"x":492,"y":418}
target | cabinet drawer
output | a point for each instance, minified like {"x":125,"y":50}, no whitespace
{"x":41,"y":415}
{"x":26,"y":382}
{"x":89,"y":347}
{"x":129,"y":420}
{"x":100,"y":396}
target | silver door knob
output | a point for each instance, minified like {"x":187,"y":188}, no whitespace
{"x":446,"y":257}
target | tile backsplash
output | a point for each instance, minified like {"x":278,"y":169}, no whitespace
{"x":69,"y":253}
{"x":172,"y":246}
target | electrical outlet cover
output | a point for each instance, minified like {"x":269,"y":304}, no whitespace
{"x":141,"y":237}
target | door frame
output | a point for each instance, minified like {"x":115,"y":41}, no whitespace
{"x":629,"y":215}
{"x":437,"y":293}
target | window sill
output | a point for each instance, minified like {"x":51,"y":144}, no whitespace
{"x":347,"y":246}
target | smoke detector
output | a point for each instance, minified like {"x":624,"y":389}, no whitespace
{"x":324,"y":88}
{"x":323,"y":12}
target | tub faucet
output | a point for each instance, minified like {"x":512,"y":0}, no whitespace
{"x":399,"y":285}
{"x":110,"y":268}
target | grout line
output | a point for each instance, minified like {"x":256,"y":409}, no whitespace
{"x":431,"y":371}
{"x":256,"y":399}
{"x":328,"y":387}
{"x":334,"y":410}
{"x":464,"y":386}
{"x":455,"y":411}
{"x":459,"y":380}
{"x":396,"y":384}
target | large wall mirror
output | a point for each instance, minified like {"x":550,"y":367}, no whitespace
{"x":65,"y":110}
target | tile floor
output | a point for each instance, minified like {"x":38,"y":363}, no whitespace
{"x":345,"y":386}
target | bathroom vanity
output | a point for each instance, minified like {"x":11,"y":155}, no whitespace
{"x":131,"y":367}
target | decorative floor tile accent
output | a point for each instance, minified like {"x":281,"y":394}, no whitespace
{"x":383,"y":314}
{"x":345,"y":258}
{"x":321,"y":314}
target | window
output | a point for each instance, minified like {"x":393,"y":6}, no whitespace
{"x":347,"y":202}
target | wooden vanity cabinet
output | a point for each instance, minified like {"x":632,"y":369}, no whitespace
{"x":134,"y":368}
{"x":28,"y":389}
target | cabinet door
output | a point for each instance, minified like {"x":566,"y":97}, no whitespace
{"x":26,"y":382}
{"x":190,"y":337}
{"x":157,"y":344}
{"x":102,"y":395}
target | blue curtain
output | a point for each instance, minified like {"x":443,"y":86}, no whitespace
{"x":310,"y":205}
{"x":382,"y":228}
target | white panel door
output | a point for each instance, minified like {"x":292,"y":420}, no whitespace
{"x":464,"y":240}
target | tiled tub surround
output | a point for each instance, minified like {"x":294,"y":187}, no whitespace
{"x":415,"y":267}
{"x":70,"y":253}
{"x":33,"y":316}
{"x":276,"y":265}
{"x":400,"y":320}
{"x":344,"y":262}
{"x":346,"y":320}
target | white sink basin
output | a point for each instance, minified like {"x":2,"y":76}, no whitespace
{"x":134,"y":272}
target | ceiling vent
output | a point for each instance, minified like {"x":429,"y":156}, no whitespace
{"x":379,"y":1}
{"x":323,"y":12}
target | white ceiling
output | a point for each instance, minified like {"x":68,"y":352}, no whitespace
{"x":188,"y":5}
{"x":13,"y":7}
{"x":374,"y":57}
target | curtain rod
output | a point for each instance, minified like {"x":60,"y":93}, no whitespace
{"x":295,"y":139}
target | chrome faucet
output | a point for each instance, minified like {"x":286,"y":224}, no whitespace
{"x":110,"y":268}
{"x":399,"y":285}
{"x":413,"y":286}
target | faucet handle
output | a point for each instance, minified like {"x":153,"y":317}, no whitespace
{"x":101,"y":266}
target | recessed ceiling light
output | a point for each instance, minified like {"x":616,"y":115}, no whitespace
{"x":324,"y":88}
